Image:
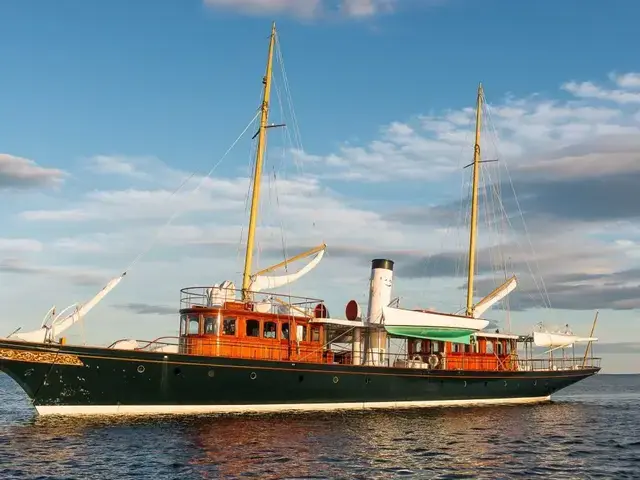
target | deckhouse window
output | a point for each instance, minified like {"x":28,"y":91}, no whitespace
{"x":210,"y":325}
{"x":253,"y":328}
{"x":499,"y":348}
{"x":229,"y":326}
{"x":285,"y":330}
{"x":302,"y":333}
{"x":315,"y":334}
{"x":183,"y":324}
{"x":489,"y":346}
{"x":194,"y":324}
{"x":269,"y":330}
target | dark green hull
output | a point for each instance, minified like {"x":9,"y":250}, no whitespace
{"x":74,"y":379}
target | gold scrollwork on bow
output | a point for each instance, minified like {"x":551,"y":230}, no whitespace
{"x":40,"y":357}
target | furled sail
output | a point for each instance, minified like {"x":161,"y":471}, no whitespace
{"x":498,"y":294}
{"x":264,"y":282}
{"x":558,"y":340}
{"x":431,"y":325}
{"x":59,"y":325}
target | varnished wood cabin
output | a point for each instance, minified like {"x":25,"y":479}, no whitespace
{"x":235,"y":329}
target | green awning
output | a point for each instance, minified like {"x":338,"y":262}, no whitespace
{"x":454,"y":335}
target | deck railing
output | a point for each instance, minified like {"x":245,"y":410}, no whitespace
{"x":316,"y":353}
{"x":276,"y":303}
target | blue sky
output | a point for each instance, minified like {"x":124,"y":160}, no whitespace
{"x":107,"y":106}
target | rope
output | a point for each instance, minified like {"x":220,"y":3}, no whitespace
{"x":177,"y":213}
{"x":541,"y":286}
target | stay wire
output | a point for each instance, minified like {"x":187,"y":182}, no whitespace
{"x":177,"y":213}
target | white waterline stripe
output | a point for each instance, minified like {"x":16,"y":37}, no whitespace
{"x":270,"y":408}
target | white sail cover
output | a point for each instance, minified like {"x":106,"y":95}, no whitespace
{"x":549,"y":339}
{"x":59,"y":325}
{"x":498,"y":294}
{"x":264,"y":282}
{"x":398,"y":317}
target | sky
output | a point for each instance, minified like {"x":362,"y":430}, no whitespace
{"x":107,"y":108}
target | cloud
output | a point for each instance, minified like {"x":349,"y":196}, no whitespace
{"x":134,"y":204}
{"x":573,"y":165}
{"x":626,"y":80}
{"x":532,"y":133}
{"x":617,"y":347}
{"x":76,"y":275}
{"x":307,"y":8}
{"x":23,"y":245}
{"x":146,"y":309}
{"x":591,"y":90}
{"x":366,"y":8}
{"x":93,"y":243}
{"x":119,"y":165}
{"x":575,"y":291}
{"x":21,"y":174}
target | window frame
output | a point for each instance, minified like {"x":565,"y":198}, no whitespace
{"x":266,"y":325}
{"x":233,"y":319}
{"x":253,"y":322}
{"x":191,"y":318}
{"x":282,"y":327}
{"x":212,"y":320}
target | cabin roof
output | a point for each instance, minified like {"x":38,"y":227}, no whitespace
{"x":339,"y":321}
{"x":497,"y":335}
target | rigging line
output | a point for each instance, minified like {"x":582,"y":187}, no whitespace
{"x":289,"y":97}
{"x":544,"y":293}
{"x":202,"y":180}
{"x":491,"y":218}
{"x":541,"y":288}
{"x":286,"y":135}
{"x":250,"y":169}
{"x":449,"y":227}
{"x":495,"y":190}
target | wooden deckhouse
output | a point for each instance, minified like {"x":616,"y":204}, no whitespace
{"x":243,"y":329}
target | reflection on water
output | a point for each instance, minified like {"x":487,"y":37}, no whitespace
{"x":588,"y":432}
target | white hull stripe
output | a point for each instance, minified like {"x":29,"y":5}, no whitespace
{"x":268,"y":408}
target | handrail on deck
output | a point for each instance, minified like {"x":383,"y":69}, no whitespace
{"x":315,"y":353}
{"x":208,"y":297}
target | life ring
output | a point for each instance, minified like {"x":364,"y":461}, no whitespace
{"x":416,"y":358}
{"x":433,"y":360}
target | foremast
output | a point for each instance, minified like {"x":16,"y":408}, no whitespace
{"x":262,"y":139}
{"x":473,"y":231}
{"x":509,"y":285}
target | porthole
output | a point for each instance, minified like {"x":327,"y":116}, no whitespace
{"x":505,"y":383}
{"x":465,"y":383}
{"x":177,"y":371}
{"x":486,"y":384}
{"x":367,"y":380}
{"x":301,"y":378}
{"x":535,"y":382}
{"x":336,"y":379}
{"x":140,"y":368}
{"x":211,"y":373}
{"x":253,"y":376}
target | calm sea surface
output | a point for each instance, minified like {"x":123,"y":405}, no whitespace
{"x":591,"y":430}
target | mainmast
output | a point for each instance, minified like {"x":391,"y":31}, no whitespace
{"x":474,"y":204}
{"x":262,"y":137}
